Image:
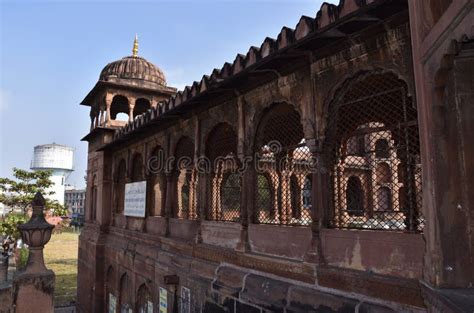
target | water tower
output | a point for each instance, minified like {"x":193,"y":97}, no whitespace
{"x":60,"y":160}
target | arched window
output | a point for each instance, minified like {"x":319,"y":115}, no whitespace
{"x":382,"y":148}
{"x":224,"y":195}
{"x":144,"y":300}
{"x":141,"y":106}
{"x":375,"y":105}
{"x":265,"y":198}
{"x":137,"y":168}
{"x":125,"y":300}
{"x":383,"y":173}
{"x":384,"y":199}
{"x":186,"y":179}
{"x":354,"y":196}
{"x":282,"y":152}
{"x":120,"y":180}
{"x":230,"y":197}
{"x":119,"y":108}
{"x":156,"y":183}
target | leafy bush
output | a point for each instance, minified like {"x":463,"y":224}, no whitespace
{"x":8,"y":226}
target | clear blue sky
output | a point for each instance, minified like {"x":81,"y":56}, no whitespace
{"x":52,"y":53}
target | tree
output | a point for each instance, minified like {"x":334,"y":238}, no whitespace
{"x":18,"y":193}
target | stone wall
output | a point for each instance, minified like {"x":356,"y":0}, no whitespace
{"x":247,"y":266}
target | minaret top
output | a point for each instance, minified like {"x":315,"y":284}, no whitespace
{"x":135,"y":46}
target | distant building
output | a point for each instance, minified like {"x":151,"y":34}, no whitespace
{"x":75,"y":199}
{"x":60,"y":160}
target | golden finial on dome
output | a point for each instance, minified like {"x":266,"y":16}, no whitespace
{"x":135,"y":46}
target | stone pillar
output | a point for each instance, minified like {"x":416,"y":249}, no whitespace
{"x":247,"y":178}
{"x":168,"y":201}
{"x":130,"y":114}
{"x":35,"y":285}
{"x":96,"y":116}
{"x":131,"y":107}
{"x":317,"y":208}
{"x":108,"y":105}
{"x":92,"y":121}
{"x":200,"y":208}
{"x":102,"y":117}
{"x":247,"y":197}
{"x":168,"y":172}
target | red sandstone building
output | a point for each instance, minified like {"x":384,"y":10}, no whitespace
{"x":328,"y":170}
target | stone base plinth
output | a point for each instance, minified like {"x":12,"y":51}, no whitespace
{"x":34,"y":292}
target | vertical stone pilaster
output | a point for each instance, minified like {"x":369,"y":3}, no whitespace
{"x":108,"y":104}
{"x":200,"y":207}
{"x":247,"y":178}
{"x":131,"y":107}
{"x":169,"y":187}
{"x":102,"y":117}
{"x":314,"y":255}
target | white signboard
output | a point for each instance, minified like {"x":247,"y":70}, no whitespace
{"x":163,"y":300}
{"x":135,"y":199}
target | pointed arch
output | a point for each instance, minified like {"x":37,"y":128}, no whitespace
{"x":281,"y":152}
{"x":377,"y":106}
{"x":224,"y":194}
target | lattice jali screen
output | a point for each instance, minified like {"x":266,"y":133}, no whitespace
{"x":284,"y":167}
{"x":372,"y":152}
{"x":225,"y":181}
{"x":186,"y":180}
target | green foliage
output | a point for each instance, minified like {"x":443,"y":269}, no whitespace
{"x":18,"y":193}
{"x":8,"y":226}
{"x":23,"y":254}
{"x":56,"y":208}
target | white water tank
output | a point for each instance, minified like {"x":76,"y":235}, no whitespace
{"x":59,"y":159}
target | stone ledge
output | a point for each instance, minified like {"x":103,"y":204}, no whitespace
{"x":388,"y":288}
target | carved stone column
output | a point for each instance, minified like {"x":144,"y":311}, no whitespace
{"x":200,"y":206}
{"x":131,"y":107}
{"x":168,"y":201}
{"x":92,"y":121}
{"x":247,"y":178}
{"x":314,"y":254}
{"x":247,"y":197}
{"x":130,"y":113}
{"x":108,"y":105}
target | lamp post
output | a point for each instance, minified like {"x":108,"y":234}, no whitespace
{"x":36,"y":233}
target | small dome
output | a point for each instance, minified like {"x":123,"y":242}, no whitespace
{"x":133,"y":70}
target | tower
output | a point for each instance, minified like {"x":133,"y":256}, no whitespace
{"x":60,"y":160}
{"x":127,"y":87}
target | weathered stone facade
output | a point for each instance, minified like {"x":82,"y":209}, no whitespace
{"x":289,"y":237}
